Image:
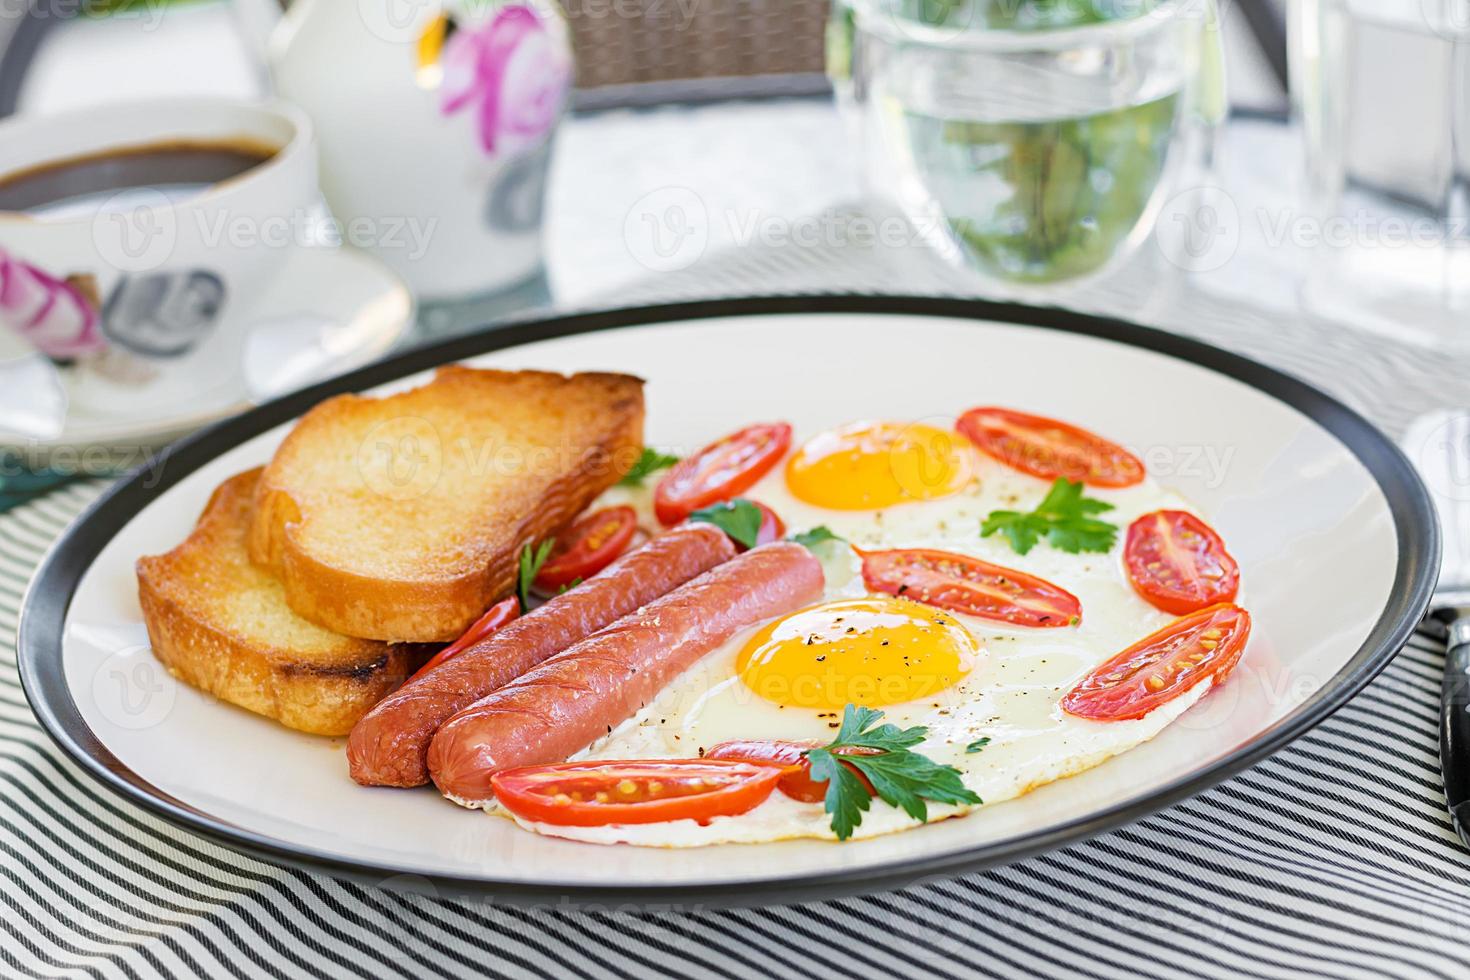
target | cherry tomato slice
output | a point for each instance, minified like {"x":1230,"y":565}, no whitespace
{"x":719,"y":471}
{"x":597,"y":792}
{"x":796,"y":773}
{"x":587,"y":547}
{"x":772,"y":527}
{"x":969,"y":585}
{"x":1177,"y":562}
{"x":1158,"y":668}
{"x":1049,"y":449}
{"x":495,"y":617}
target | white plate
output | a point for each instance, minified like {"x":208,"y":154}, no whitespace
{"x":329,"y":311}
{"x":1332,"y":529}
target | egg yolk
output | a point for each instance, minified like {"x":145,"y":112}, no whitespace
{"x":867,"y":465}
{"x":872,"y":652}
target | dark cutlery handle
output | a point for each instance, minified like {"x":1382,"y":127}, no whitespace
{"x":1454,"y":724}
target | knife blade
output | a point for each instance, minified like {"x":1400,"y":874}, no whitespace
{"x":1439,"y":445}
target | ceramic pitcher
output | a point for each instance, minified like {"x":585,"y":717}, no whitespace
{"x":435,"y":121}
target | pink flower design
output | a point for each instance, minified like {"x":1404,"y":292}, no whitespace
{"x":51,"y":314}
{"x":515,"y":69}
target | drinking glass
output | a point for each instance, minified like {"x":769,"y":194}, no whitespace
{"x":1381,"y":89}
{"x":1031,"y":142}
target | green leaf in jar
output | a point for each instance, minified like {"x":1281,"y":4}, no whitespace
{"x":1044,"y":200}
{"x":1019,"y":15}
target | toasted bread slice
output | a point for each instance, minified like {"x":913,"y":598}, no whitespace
{"x":402,"y":518}
{"x":221,"y":623}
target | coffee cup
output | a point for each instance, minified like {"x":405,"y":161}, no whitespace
{"x":134,"y":239}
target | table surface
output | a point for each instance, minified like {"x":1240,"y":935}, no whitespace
{"x":1333,"y":858}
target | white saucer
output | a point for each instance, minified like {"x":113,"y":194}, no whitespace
{"x":331,"y":310}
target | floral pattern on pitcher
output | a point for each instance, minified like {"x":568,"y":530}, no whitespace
{"x":54,"y":315}
{"x":511,"y":71}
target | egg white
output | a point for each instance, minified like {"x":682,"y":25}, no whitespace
{"x":1012,"y":697}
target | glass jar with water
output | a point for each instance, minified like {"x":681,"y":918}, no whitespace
{"x":1031,"y":140}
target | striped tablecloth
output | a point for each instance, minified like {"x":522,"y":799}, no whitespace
{"x":1334,"y":858}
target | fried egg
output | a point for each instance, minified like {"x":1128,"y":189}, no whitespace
{"x":882,"y":485}
{"x":870,"y":465}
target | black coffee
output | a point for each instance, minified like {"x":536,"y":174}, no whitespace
{"x":166,"y":166}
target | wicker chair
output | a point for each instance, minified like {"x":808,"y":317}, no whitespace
{"x":626,"y":42}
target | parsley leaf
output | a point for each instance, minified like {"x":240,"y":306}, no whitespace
{"x":570,"y":585}
{"x":1066,"y":519}
{"x":847,"y":797}
{"x":650,"y":462}
{"x":531,"y":562}
{"x":738,"y":518}
{"x":900,"y":776}
{"x":821,"y":534}
{"x":978,"y":744}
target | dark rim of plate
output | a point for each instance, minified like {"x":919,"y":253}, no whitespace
{"x":43,"y":613}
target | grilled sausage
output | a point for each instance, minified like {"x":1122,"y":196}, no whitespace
{"x":569,"y":701}
{"x":387,"y":746}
